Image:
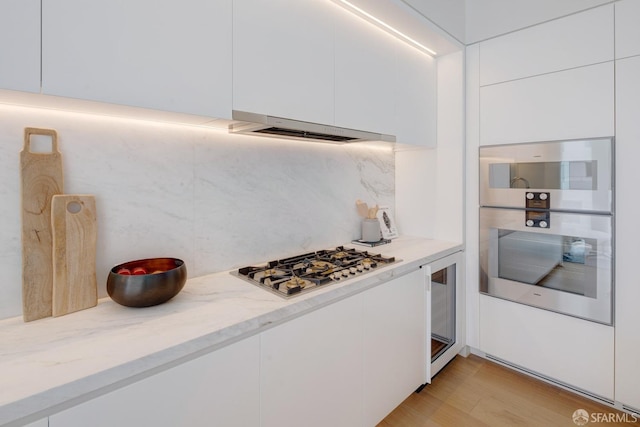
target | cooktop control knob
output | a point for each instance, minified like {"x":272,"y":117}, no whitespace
{"x":543,"y":224}
{"x":345,"y":273}
{"x":353,"y":270}
{"x":543,"y":196}
{"x":360,"y":267}
{"x":530,"y":196}
{"x":529,"y":223}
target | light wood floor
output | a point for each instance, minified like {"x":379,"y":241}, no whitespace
{"x":476,"y":392}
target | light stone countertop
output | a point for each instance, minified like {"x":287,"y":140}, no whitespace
{"x":52,"y":364}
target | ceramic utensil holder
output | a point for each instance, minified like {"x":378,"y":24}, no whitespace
{"x":370,"y":230}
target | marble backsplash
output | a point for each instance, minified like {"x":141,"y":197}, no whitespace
{"x":215,"y":200}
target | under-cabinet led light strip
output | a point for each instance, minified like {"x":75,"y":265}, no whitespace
{"x":389,"y":28}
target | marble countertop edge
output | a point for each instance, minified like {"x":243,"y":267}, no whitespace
{"x":253,"y":311}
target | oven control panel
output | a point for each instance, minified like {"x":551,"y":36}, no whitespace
{"x":535,"y":200}
{"x":537,"y":209}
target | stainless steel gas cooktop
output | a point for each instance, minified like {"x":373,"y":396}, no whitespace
{"x":302,"y":273}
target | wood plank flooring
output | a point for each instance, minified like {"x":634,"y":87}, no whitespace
{"x":476,"y":392}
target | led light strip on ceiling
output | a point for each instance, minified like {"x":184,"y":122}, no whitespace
{"x":387,"y":27}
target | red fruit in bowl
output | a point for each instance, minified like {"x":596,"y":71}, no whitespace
{"x":124,"y":271}
{"x":138,"y":271}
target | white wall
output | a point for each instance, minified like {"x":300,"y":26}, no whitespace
{"x":490,"y":18}
{"x":215,"y":200}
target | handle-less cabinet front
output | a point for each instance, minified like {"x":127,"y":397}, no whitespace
{"x":169,"y":56}
{"x":218,"y":389}
{"x":20,"y":45}
{"x":627,"y":292}
{"x":570,"y":104}
{"x":395,"y":344}
{"x":311,"y":359}
{"x":44,"y":422}
{"x":283,"y":58}
{"x":627,"y":29}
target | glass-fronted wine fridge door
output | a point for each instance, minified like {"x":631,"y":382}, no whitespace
{"x":443,"y":310}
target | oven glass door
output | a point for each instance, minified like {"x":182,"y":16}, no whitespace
{"x":566,"y":267}
{"x":577,"y":174}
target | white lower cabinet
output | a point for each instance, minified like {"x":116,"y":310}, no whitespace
{"x":573,"y":351}
{"x":217,"y":389}
{"x":394,"y":344}
{"x":40,"y":423}
{"x":311,"y":369}
{"x":348,"y":364}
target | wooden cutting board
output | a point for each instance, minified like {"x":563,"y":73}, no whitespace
{"x":41,"y":178}
{"x":73,"y":220}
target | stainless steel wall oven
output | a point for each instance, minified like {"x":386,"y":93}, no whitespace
{"x":546,"y":225}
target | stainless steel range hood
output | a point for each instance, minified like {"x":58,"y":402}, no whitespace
{"x":263,"y":125}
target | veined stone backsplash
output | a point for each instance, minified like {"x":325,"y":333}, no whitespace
{"x":215,"y":200}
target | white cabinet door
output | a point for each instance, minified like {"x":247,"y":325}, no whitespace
{"x":574,"y":351}
{"x":217,"y":389}
{"x":170,"y":56}
{"x":582,"y":39}
{"x":627,"y":28}
{"x":283,"y":58}
{"x":365,"y":75}
{"x":415,"y":98}
{"x":40,"y":423}
{"x":627,"y":291}
{"x":570,"y":104}
{"x":20,"y":45}
{"x":311,"y":369}
{"x":394,"y":344}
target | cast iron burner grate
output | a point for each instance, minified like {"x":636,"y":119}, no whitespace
{"x":302,"y":273}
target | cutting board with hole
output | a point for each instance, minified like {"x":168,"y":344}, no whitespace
{"x":73,"y":221}
{"x":41,"y":179}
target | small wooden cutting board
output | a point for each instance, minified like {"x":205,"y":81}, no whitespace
{"x":41,"y":178}
{"x":73,"y":221}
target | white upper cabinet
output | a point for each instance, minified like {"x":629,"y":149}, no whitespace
{"x":170,"y":56}
{"x":415,"y":98}
{"x":365,"y":75}
{"x":283,"y":58}
{"x":20,"y":45}
{"x":577,"y":40}
{"x":315,"y":61}
{"x":627,"y":28}
{"x":577,"y":103}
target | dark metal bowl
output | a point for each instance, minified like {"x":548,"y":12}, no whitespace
{"x":145,"y":290}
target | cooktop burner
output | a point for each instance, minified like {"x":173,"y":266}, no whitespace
{"x":302,"y":273}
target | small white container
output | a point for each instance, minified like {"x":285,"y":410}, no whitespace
{"x":370,"y":230}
